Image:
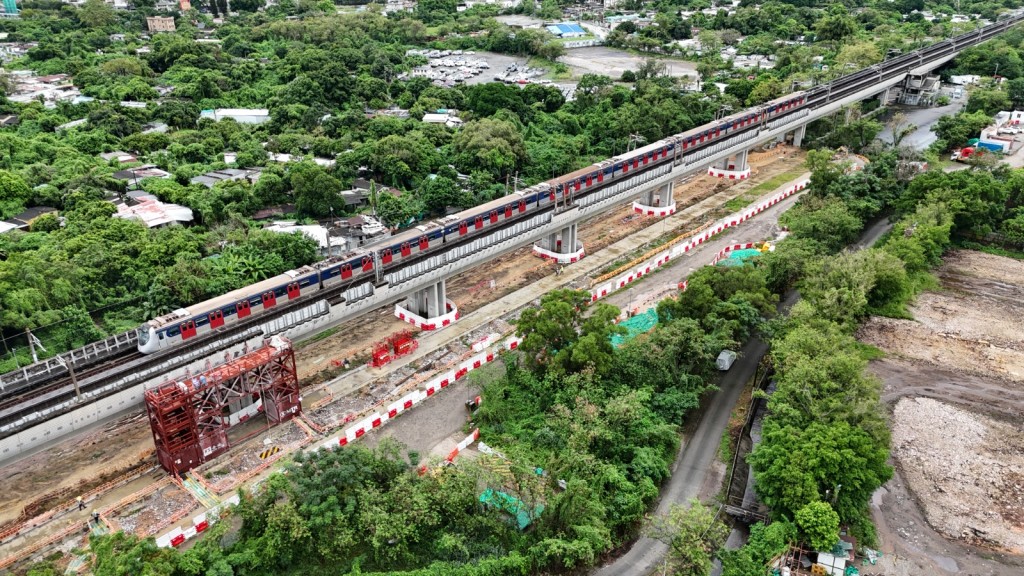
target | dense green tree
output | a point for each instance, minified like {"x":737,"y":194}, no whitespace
{"x":96,"y":14}
{"x":954,"y":131}
{"x":558,"y":336}
{"x":987,"y":101}
{"x":819,"y":524}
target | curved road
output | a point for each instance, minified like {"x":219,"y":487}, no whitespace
{"x":692,"y":462}
{"x":697,"y":454}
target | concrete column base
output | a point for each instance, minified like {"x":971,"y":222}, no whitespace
{"x":446,"y":319}
{"x":654,"y":210}
{"x":729,"y":174}
{"x":566,"y":258}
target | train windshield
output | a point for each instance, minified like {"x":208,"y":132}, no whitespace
{"x":143,"y":335}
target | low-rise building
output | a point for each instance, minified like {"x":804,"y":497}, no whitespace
{"x":24,"y":220}
{"x":442,"y":117}
{"x":120,"y":156}
{"x":240,"y":115}
{"x":160,"y":23}
{"x":135,"y":175}
{"x":211,"y":179}
{"x":152,"y":212}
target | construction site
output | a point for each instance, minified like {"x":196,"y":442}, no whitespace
{"x":167,"y":469}
{"x":953,"y":378}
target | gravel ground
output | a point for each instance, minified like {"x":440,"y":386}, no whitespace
{"x":954,"y":376}
{"x":613,"y":62}
{"x":149,"y":515}
{"x":970,"y":481}
{"x":220,"y":473}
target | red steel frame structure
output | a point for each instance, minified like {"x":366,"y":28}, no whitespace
{"x":190,"y":418}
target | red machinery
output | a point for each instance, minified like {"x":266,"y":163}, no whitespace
{"x":395,"y":346}
{"x":190,"y":417}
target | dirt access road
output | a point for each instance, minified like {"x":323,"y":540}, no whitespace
{"x":954,"y":377}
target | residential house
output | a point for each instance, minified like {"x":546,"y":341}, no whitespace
{"x":240,"y":115}
{"x":121,"y":157}
{"x":160,"y":23}
{"x":24,"y":220}
{"x":211,"y":179}
{"x":152,"y":212}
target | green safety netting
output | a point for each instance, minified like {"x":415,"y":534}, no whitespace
{"x":739,"y":257}
{"x":511,"y":505}
{"x":638,"y":324}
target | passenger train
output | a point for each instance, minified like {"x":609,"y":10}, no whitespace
{"x":400,"y":250}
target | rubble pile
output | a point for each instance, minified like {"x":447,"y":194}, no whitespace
{"x":966,"y":469}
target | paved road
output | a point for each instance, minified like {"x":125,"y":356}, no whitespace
{"x":696,"y":456}
{"x":923,"y":118}
{"x":692,"y":462}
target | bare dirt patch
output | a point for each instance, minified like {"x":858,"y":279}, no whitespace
{"x":956,"y":377}
{"x":74,"y":466}
{"x":971,"y":327}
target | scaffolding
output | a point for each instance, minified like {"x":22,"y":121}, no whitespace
{"x":190,"y":418}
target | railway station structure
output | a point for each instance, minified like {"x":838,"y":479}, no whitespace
{"x":190,"y":417}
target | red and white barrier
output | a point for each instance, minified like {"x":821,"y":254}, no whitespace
{"x":430,"y":388}
{"x":178,"y":536}
{"x":729,"y":174}
{"x":422,"y":323}
{"x":568,"y":258}
{"x":682,"y":248}
{"x":466,"y":443}
{"x":654,"y":210}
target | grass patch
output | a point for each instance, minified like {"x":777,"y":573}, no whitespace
{"x":555,"y":70}
{"x":994,"y":250}
{"x":775,"y":182}
{"x":321,"y":336}
{"x":725,"y":447}
{"x":869,"y":352}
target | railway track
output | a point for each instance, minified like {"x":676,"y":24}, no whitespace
{"x":19,"y":402}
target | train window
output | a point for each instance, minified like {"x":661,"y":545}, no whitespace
{"x":367,"y":263}
{"x":385,"y":255}
{"x":160,"y":334}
